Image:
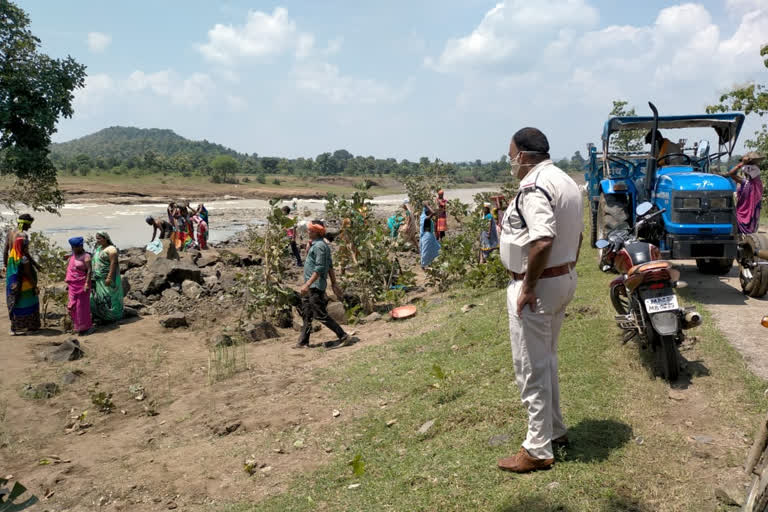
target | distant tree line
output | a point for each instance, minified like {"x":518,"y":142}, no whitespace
{"x":122,"y":150}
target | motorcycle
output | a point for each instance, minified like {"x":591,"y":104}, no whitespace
{"x":644,"y":293}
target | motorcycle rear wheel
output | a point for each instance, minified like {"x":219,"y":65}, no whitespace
{"x":669,"y":356}
{"x":619,"y":299}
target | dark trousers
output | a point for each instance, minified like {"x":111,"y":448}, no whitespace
{"x":313,"y":306}
{"x":296,"y":253}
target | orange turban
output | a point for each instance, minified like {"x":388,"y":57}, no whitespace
{"x":318,"y":229}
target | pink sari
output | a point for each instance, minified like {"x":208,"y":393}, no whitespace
{"x":79,"y":305}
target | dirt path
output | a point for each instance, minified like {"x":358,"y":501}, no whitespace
{"x":737,"y":315}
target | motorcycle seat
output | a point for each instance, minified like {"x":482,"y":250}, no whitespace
{"x":653,"y":265}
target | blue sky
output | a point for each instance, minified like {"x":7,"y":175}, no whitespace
{"x":450,"y":79}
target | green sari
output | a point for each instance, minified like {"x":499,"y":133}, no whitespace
{"x":106,"y":301}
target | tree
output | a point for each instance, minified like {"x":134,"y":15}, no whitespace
{"x":630,"y":141}
{"x":577,"y":161}
{"x":224,"y":168}
{"x":35,"y":91}
{"x":752,"y":99}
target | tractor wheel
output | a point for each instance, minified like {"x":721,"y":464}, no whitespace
{"x":753,"y":278}
{"x":612,"y":212}
{"x":714,"y":266}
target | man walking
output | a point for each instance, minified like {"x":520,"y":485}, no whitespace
{"x":540,"y":242}
{"x":317,"y":268}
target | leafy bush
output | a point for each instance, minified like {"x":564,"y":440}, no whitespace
{"x":266,"y":291}
{"x":276,"y":181}
{"x":367,"y":255}
{"x":261,"y":179}
{"x":53,"y":262}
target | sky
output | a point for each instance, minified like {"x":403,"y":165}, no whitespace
{"x":449,"y":79}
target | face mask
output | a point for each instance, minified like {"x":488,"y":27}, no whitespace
{"x":515,"y":165}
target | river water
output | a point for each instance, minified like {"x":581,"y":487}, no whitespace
{"x":126,"y":225}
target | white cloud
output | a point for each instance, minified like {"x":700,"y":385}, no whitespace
{"x":262,"y":35}
{"x":325,"y":80}
{"x":739,"y":7}
{"x":236,"y":103}
{"x":191,"y":91}
{"x":98,"y":41}
{"x":97,"y":88}
{"x":514,"y":31}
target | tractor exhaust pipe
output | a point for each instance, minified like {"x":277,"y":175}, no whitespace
{"x":691,"y":319}
{"x":650,"y":167}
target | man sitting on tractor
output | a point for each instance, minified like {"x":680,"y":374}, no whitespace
{"x":665,"y":147}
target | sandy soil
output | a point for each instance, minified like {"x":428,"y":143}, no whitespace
{"x":181,"y":457}
{"x":737,"y":315}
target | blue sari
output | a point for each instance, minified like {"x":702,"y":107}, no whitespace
{"x":489,"y":239}
{"x":430,"y":247}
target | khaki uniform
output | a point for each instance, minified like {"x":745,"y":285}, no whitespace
{"x":549,"y":205}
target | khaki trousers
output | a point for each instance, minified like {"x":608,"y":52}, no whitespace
{"x":534,"y":350}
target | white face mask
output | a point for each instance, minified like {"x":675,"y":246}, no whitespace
{"x":515,"y":165}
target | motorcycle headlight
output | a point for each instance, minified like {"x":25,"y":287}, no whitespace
{"x":719,"y":203}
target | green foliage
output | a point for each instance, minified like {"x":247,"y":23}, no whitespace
{"x":456,"y":209}
{"x":53,"y":269}
{"x":266,"y":292}
{"x":275,"y":181}
{"x":224,"y":360}
{"x":103,"y":401}
{"x":422,"y":185}
{"x":261,"y":179}
{"x":628,"y":140}
{"x":8,"y":497}
{"x":35,"y":91}
{"x":367,"y":255}
{"x":358,"y":465}
{"x":437,"y":372}
{"x":224,"y":169}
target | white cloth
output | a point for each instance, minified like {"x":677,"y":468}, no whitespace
{"x":552,"y":207}
{"x":534,"y":335}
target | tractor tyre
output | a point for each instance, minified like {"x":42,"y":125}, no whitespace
{"x":714,"y":266}
{"x":753,"y":278}
{"x":612,"y":212}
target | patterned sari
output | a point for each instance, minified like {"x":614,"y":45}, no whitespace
{"x":79,"y":305}
{"x":106,"y":300}
{"x":21,"y":285}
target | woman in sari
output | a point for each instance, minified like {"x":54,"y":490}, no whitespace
{"x":199,"y":231}
{"x":79,"y":286}
{"x":393,"y":223}
{"x":409,"y":231}
{"x":489,"y":238}
{"x":202,"y":211}
{"x":107,"y":295}
{"x":749,"y":194}
{"x":182,"y":234}
{"x":21,"y":279}
{"x":430,"y":247}
{"x":442,"y":215}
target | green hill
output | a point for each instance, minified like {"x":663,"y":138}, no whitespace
{"x":121,"y":143}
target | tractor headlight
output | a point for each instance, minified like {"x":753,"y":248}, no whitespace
{"x":719,"y":203}
{"x":689,"y":203}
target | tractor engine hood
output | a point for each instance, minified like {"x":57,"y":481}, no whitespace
{"x":684,"y":178}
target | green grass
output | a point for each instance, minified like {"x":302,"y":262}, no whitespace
{"x":630,"y":447}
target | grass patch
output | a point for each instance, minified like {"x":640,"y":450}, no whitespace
{"x":631,"y":447}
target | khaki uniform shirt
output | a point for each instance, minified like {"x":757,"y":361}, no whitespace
{"x":549,"y":204}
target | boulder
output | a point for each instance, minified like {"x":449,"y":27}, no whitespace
{"x":191,"y":289}
{"x":129,"y":312}
{"x":135,"y":261}
{"x":126,"y":286}
{"x":208,"y":259}
{"x":170,"y":294}
{"x":211,"y":281}
{"x":131,"y":303}
{"x":259,"y":332}
{"x":174,"y":321}
{"x":168,"y":252}
{"x":68,"y":350}
{"x":162,"y":272}
{"x":372,"y":317}
{"x":337,"y":312}
{"x":229,"y":258}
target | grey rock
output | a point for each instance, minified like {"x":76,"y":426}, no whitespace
{"x":208,"y":259}
{"x":70,"y":377}
{"x":211,"y":281}
{"x":126,"y":286}
{"x":337,"y":312}
{"x":727,"y":498}
{"x":373,"y":317}
{"x":129,"y":312}
{"x":191,"y":289}
{"x":425,"y":427}
{"x":704,"y":439}
{"x":41,"y":391}
{"x":135,"y":261}
{"x":170,"y":294}
{"x":135,"y":304}
{"x":259,"y":332}
{"x":68,"y":350}
{"x":163,"y":272}
{"x":174,"y":321}
{"x":227,"y":427}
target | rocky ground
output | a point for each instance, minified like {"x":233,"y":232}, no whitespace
{"x":165,"y":409}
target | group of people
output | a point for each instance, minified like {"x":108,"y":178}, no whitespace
{"x":428,"y":233}
{"x":93,"y":281}
{"x":186,"y":227}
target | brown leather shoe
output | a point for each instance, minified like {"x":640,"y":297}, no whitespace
{"x":522,"y":462}
{"x":561,"y":441}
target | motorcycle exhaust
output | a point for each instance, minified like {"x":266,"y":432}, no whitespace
{"x":691,"y":319}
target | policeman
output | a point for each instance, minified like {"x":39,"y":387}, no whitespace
{"x":539,"y":245}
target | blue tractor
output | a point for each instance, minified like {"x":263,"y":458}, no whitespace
{"x":699,"y":221}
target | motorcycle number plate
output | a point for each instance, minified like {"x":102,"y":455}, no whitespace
{"x":659,"y":304}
